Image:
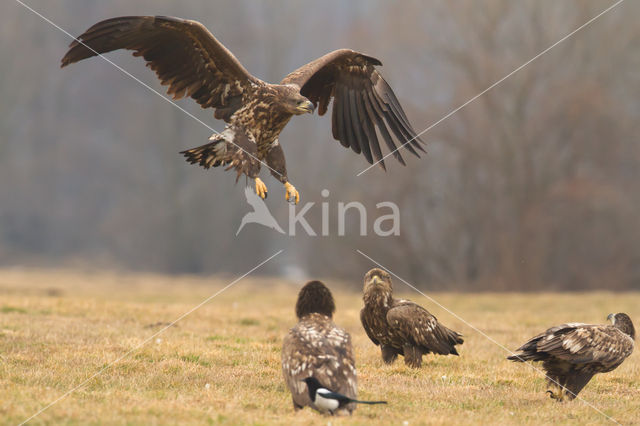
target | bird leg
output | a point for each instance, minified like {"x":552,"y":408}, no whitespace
{"x":261,"y":188}
{"x":412,"y":356}
{"x":291,"y":193}
{"x":389,"y":354}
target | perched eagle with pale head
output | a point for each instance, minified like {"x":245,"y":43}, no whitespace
{"x":317,"y":348}
{"x":401,"y":327}
{"x":192,"y":62}
{"x":573,"y":353}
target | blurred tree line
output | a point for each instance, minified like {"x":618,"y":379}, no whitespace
{"x":532,"y":186}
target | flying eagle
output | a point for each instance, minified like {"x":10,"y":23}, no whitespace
{"x":401,"y":327}
{"x":192,"y":62}
{"x":317,"y":348}
{"x":573,"y":353}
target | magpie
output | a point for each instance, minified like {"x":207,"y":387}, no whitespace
{"x":326,"y":400}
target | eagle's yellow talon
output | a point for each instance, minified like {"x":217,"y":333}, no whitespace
{"x":261,"y":188}
{"x":291,"y":193}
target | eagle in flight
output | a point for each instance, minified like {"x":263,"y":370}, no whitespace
{"x":573,"y":353}
{"x":317,"y":348}
{"x":401,"y":327}
{"x":192,"y":62}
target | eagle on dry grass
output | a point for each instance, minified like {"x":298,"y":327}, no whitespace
{"x":192,"y":62}
{"x":317,"y":348}
{"x":573,"y":353}
{"x":401,"y":327}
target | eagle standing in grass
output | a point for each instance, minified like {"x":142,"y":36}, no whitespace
{"x":401,"y":327}
{"x":573,"y":353}
{"x":317,"y":348}
{"x":191,"y":62}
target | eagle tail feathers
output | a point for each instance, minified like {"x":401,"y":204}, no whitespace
{"x":528,"y":352}
{"x":524,"y":355}
{"x":212,"y":154}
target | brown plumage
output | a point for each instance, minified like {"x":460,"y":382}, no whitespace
{"x":316,"y":347}
{"x":191,"y":62}
{"x":401,"y":327}
{"x":573,"y":353}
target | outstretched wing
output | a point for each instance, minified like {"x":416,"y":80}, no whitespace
{"x":183,"y":53}
{"x":581,"y":344}
{"x":415,"y":325}
{"x":322,"y":350}
{"x":362,"y":103}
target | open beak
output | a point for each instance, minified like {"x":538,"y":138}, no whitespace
{"x":305,"y":107}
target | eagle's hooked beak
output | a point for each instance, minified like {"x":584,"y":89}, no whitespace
{"x":306,"y":106}
{"x":376,"y":280}
{"x":612,"y":318}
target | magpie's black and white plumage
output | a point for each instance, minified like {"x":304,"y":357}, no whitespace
{"x":192,"y":62}
{"x":573,"y":353}
{"x":401,"y":327}
{"x":316,"y":347}
{"x":328,"y":401}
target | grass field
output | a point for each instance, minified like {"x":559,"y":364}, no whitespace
{"x":221,"y":364}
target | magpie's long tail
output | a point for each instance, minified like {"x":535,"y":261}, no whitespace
{"x":369,"y":402}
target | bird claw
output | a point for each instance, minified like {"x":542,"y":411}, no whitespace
{"x":291,"y":193}
{"x":261,"y":188}
{"x":558,"y":396}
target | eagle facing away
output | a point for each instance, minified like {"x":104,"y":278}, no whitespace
{"x":317,"y":348}
{"x":573,"y":353}
{"x":191,"y":62}
{"x":401,"y":327}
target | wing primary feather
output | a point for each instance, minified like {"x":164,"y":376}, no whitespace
{"x":383,"y":129}
{"x":369,"y":128}
{"x":403,"y":138}
{"x":357,"y":120}
{"x":386,"y":95}
{"x":338,"y":106}
{"x":393,"y":123}
{"x":403,"y":123}
{"x":335,"y":130}
{"x":351,"y":137}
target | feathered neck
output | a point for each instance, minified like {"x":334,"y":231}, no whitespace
{"x":316,"y":317}
{"x":624,"y":324}
{"x":378,"y":298}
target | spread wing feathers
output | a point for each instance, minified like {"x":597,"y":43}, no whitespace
{"x":362,"y":103}
{"x":316,"y":347}
{"x":183,"y":53}
{"x":602,"y":345}
{"x":416,"y":325}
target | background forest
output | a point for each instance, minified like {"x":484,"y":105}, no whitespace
{"x":532,"y":186}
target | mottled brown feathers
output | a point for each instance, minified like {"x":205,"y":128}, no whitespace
{"x":315,"y":297}
{"x":188,"y":59}
{"x":362,"y":103}
{"x":623,"y":323}
{"x":401,"y":327}
{"x":316,"y":347}
{"x":184,"y":54}
{"x":572,"y":353}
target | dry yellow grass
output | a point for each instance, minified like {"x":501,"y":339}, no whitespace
{"x":221,"y":364}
